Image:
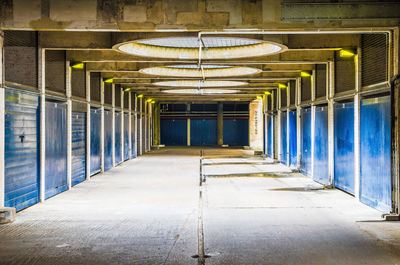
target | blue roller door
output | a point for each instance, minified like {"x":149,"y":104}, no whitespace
{"x":107,"y":140}
{"x":56,"y":149}
{"x":126,"y":136}
{"x":95,"y":136}
{"x":78,"y":172}
{"x":118,"y":144}
{"x":344,"y":147}
{"x":21,"y":159}
{"x":293,"y":138}
{"x":375,"y":148}
{"x":284,"y":137}
{"x":236,"y":131}
{"x":321,"y":170}
{"x":174,"y":132}
{"x":203,"y":132}
{"x":305,"y":159}
{"x":270,"y":135}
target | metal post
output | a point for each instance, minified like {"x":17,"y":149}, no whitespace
{"x":113,"y":124}
{"x":88,"y":125}
{"x":2,"y":123}
{"x":42,"y":86}
{"x":69,"y":123}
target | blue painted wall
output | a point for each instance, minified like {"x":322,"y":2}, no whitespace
{"x":203,"y":132}
{"x":173,"y":132}
{"x":56,"y":148}
{"x":236,"y":131}
{"x":21,"y":149}
{"x":293,"y":138}
{"x":270,"y":130}
{"x":95,"y":141}
{"x":284,"y":137}
{"x":321,"y":168}
{"x":126,"y":136}
{"x":344,"y":147}
{"x":107,"y":140}
{"x":118,"y":143}
{"x":305,"y":160}
{"x":375,"y":148}
{"x":78,"y":172}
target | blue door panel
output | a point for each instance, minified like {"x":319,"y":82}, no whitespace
{"x":139,"y":135}
{"x":133,"y":140}
{"x":293,"y":138}
{"x":126,"y":136}
{"x":56,"y":149}
{"x":21,"y":159}
{"x":375,"y":150}
{"x":173,"y":132}
{"x":236,"y":132}
{"x":305,"y":161}
{"x":344,"y":147}
{"x":270,"y":134}
{"x":107,"y":140}
{"x":118,"y":144}
{"x":78,"y":173}
{"x":284,"y":137}
{"x":95,"y":144}
{"x":203,"y":132}
{"x":321,"y":170}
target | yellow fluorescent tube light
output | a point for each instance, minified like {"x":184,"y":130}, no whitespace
{"x":140,"y":96}
{"x":305,"y":74}
{"x":267,"y":93}
{"x":78,"y":66}
{"x":282,"y":86}
{"x":109,"y":80}
{"x":346,"y":53}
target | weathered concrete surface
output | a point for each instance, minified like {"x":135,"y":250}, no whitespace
{"x":145,"y":212}
{"x":7,"y":215}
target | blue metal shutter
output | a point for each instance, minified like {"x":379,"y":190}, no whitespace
{"x":21,"y":149}
{"x":236,"y":131}
{"x":375,"y":149}
{"x":203,"y":132}
{"x":305,"y":161}
{"x":293,"y":138}
{"x":174,"y":132}
{"x":95,"y":141}
{"x":118,"y":144}
{"x":78,"y":147}
{"x":56,"y":148}
{"x":321,"y":170}
{"x":126,"y":136}
{"x":284,"y":137}
{"x":344,"y":147}
{"x":107,"y":140}
{"x":270,"y":135}
{"x":133,"y":140}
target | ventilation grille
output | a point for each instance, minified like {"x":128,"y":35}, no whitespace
{"x":95,"y":87}
{"x":118,"y":96}
{"x":345,"y":74}
{"x":78,"y":83}
{"x":320,"y":81}
{"x":55,"y":71}
{"x":305,"y":89}
{"x":374,"y":63}
{"x":107,"y":93}
{"x":21,"y":57}
{"x":292,"y":85}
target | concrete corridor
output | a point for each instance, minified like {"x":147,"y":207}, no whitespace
{"x":146,"y":212}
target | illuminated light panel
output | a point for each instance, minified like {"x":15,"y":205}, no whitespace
{"x":110,"y":80}
{"x":188,"y":47}
{"x":201,"y":91}
{"x":282,"y":86}
{"x":305,"y":74}
{"x":200,"y":83}
{"x":346,"y":53}
{"x":79,"y":66}
{"x":267,"y":93}
{"x":140,"y":96}
{"x":191,"y":70}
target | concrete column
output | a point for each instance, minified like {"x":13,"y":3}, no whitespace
{"x":272,"y":125}
{"x":88,"y":127}
{"x":331,"y":129}
{"x":122,"y":125}
{"x":136,"y":126}
{"x":220,"y":123}
{"x":156,"y":124}
{"x":69,"y":123}
{"x":102,"y":133}
{"x":42,"y":87}
{"x":256,"y":125}
{"x":357,"y":99}
{"x":128,"y":94}
{"x":265,"y":99}
{"x":140,"y":144}
{"x":278,"y":125}
{"x":145,"y":117}
{"x":2,"y":123}
{"x":113,"y":124}
{"x":149,"y":126}
{"x":298,"y":111}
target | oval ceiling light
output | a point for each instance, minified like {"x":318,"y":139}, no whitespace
{"x":200,"y":91}
{"x":200,"y":83}
{"x":192,"y":70}
{"x":188,"y":47}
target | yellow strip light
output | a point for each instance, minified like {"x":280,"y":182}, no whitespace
{"x":109,"y":80}
{"x":140,"y":96}
{"x":305,"y":74}
{"x":79,"y":66}
{"x":346,"y":53}
{"x":267,"y":93}
{"x":282,"y":86}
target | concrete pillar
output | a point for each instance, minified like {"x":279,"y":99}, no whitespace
{"x":265,"y":99}
{"x":88,"y":127}
{"x":272,"y":125}
{"x":156,"y":124}
{"x":140,"y":144}
{"x":69,"y":123}
{"x":122,"y":125}
{"x":357,"y":99}
{"x":220,"y":123}
{"x":113,"y":124}
{"x":2,"y":123}
{"x":102,"y":133}
{"x":256,"y":125}
{"x":136,"y":126}
{"x":145,"y":117}
{"x":278,"y":124}
{"x":298,"y":111}
{"x":331,"y":129}
{"x":149,"y":120}
{"x":42,"y":87}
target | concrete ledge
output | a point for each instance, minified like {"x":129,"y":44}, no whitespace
{"x":391,"y":217}
{"x":7,"y":215}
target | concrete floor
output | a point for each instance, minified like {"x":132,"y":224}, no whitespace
{"x":146,"y":212}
